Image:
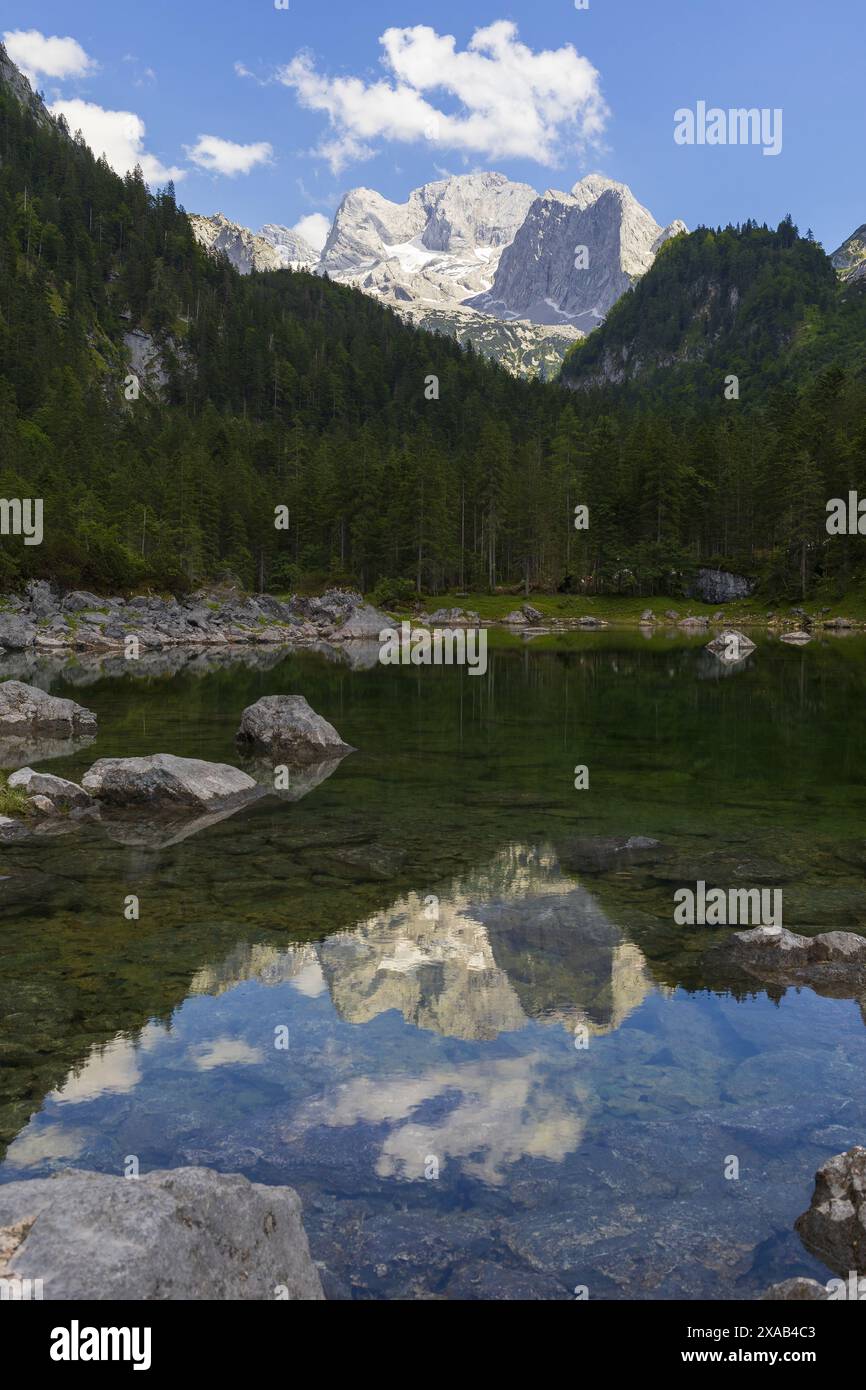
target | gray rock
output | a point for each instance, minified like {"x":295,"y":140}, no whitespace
{"x":835,"y":624}
{"x":16,"y":633}
{"x":539,"y":277}
{"x":719,"y":586}
{"x":731,"y":644}
{"x":79,"y":601}
{"x":830,"y":960}
{"x":694,"y":624}
{"x":165,"y":780}
{"x":515,"y":619}
{"x":647,"y":616}
{"x":11,"y":829}
{"x":42,"y":598}
{"x":287,"y":727}
{"x":61,"y":794}
{"x":834,"y":1227}
{"x":532,"y":615}
{"x":798,"y":639}
{"x":188,"y":1234}
{"x":25,"y":709}
{"x":591,"y":622}
{"x":796,"y":1291}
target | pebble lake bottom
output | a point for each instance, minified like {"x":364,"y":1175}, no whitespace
{"x":430,"y":994}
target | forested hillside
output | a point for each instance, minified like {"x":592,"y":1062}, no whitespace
{"x":286,"y":390}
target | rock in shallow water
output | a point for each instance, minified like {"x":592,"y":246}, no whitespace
{"x":186,"y":1234}
{"x":61,"y":794}
{"x":165,"y":780}
{"x":834,"y":1227}
{"x":26,"y":709}
{"x":286,"y":726}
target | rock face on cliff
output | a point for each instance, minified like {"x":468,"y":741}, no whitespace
{"x":720,"y":586}
{"x":575,"y":255}
{"x":185,"y":1234}
{"x":294,"y":252}
{"x":245,"y":250}
{"x":849,"y":261}
{"x":21,"y":89}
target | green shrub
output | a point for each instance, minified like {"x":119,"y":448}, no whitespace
{"x":394,"y":593}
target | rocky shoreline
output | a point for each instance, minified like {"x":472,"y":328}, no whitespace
{"x":47,"y":620}
{"x":43,"y":620}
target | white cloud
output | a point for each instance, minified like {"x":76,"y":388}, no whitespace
{"x":225,"y":157}
{"x":38,"y":55}
{"x":119,"y":135}
{"x":511,"y":102}
{"x":314,"y":228}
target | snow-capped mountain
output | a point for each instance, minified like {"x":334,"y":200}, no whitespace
{"x":475,"y":256}
{"x":438,"y":248}
{"x":296,"y":253}
{"x":574,"y":255}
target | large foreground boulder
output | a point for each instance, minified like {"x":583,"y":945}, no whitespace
{"x":25,"y":709}
{"x":186,"y":1234}
{"x":163,"y":780}
{"x":834,"y":1227}
{"x":288,"y":728}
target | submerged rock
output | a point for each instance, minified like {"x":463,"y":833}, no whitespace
{"x":600,"y":854}
{"x":796,"y":638}
{"x":186,"y":1234}
{"x":165,"y":780}
{"x":25,"y":709}
{"x":798,"y":1290}
{"x":834,"y":1227}
{"x":287,"y":727}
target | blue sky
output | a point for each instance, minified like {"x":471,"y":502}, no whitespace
{"x":269,"y":115}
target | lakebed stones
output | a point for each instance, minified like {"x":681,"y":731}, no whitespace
{"x":27,"y":710}
{"x":796,"y":639}
{"x":834,"y":1227}
{"x":165,"y":781}
{"x":186,"y":1234}
{"x":603,"y":854}
{"x":286,"y":728}
{"x":797,"y":1290}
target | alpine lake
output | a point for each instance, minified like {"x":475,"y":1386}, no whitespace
{"x":431,"y":992}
